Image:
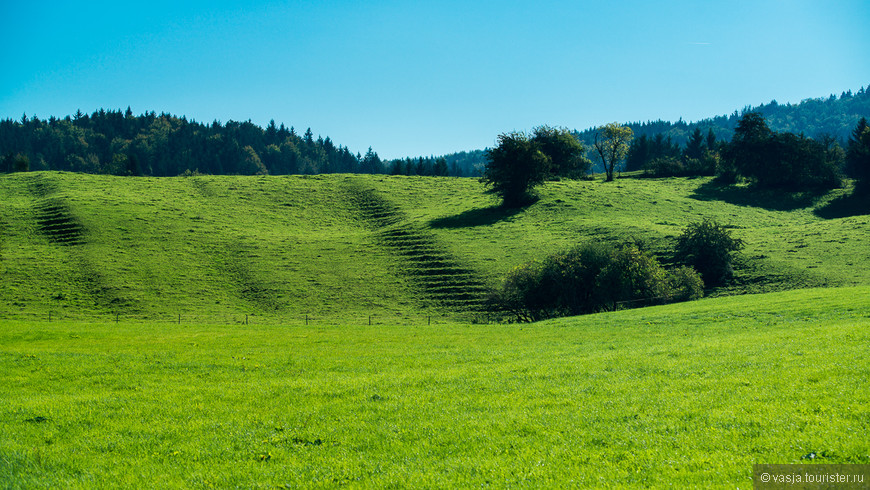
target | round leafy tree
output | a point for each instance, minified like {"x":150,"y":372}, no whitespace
{"x":514,"y":168}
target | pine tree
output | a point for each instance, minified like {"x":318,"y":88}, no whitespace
{"x":858,"y":156}
{"x":695,"y":146}
{"x":711,"y":140}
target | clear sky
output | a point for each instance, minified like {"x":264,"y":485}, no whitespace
{"x":418,"y":78}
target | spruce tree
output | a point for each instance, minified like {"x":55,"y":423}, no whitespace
{"x":858,"y":156}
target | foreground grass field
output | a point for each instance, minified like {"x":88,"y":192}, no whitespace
{"x":686,"y":395}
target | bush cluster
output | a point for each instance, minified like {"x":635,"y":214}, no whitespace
{"x":597,"y":277}
{"x":707,"y":247}
{"x":593,"y":277}
{"x":670,"y":166}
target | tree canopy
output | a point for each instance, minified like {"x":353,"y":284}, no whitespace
{"x":780,"y":160}
{"x":515,"y":167}
{"x":567,"y":154}
{"x":858,"y":156}
{"x":612,"y":142}
{"x":120,"y":143}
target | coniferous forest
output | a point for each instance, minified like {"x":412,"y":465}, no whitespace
{"x":121,"y":143}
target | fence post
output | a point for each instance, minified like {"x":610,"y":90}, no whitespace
{"x":306,"y":320}
{"x":370,"y":319}
{"x":428,"y":320}
{"x":179,"y":318}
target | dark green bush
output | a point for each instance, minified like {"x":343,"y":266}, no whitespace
{"x":664,"y":167}
{"x":590,"y":278}
{"x":708,"y":247}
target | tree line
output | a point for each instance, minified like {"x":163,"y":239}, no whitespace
{"x":833,"y":116}
{"x":824,"y":118}
{"x":121,"y":143}
{"x":765,"y":158}
{"x":116,"y":142}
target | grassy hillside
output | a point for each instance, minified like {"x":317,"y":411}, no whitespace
{"x":788,"y":243}
{"x":684,"y":395}
{"x":346,"y":247}
{"x":198,"y":246}
{"x":688,"y":394}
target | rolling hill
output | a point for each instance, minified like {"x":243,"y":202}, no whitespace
{"x":351,"y":246}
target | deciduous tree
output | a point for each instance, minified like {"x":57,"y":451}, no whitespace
{"x":612,"y":142}
{"x":566,"y":152}
{"x":514,"y":168}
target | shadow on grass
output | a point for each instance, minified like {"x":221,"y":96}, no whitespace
{"x":476,"y":217}
{"x":770,"y":199}
{"x":845,"y":206}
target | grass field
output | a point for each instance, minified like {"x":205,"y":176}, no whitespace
{"x":347,"y":247}
{"x":179,"y":355}
{"x":681,"y":395}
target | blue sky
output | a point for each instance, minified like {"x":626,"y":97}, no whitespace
{"x":421,"y":78}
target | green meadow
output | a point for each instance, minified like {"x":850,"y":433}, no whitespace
{"x":271,"y":332}
{"x":346,"y":247}
{"x":680,"y":395}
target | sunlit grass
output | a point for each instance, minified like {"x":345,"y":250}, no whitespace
{"x":688,"y":394}
{"x":280,"y":248}
{"x":181,"y":392}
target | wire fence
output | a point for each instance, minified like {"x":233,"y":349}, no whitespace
{"x":251,"y":319}
{"x":294,"y":319}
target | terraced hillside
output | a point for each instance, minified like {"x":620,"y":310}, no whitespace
{"x":340,"y":247}
{"x":441,"y":279}
{"x":209,"y":247}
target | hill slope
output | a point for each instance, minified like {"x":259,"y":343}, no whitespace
{"x":342,"y":246}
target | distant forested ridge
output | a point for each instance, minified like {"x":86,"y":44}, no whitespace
{"x":120,"y":143}
{"x":834,"y":116}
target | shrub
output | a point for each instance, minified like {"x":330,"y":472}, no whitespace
{"x":671,"y":166}
{"x":706,"y":165}
{"x":664,"y":167}
{"x":521,"y":293}
{"x":685,"y":284}
{"x":576,"y":273}
{"x":632,"y":277}
{"x":591,"y":278}
{"x":707,"y":246}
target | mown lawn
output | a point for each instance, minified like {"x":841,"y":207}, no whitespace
{"x":685,"y":395}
